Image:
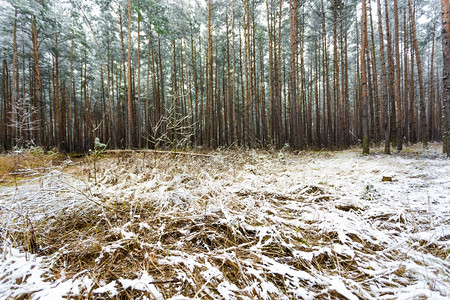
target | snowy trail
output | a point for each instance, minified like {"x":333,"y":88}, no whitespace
{"x":242,"y":225}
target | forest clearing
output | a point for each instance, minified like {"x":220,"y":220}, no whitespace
{"x":228,"y":149}
{"x":226,"y":224}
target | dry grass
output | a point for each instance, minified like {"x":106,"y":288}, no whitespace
{"x":26,"y":164}
{"x":160,"y":211}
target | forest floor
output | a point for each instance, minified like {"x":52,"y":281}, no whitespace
{"x":227,"y":225}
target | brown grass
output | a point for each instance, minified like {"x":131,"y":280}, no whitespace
{"x":15,"y":167}
{"x":81,"y":240}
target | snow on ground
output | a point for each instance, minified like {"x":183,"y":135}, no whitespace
{"x":229,"y":225}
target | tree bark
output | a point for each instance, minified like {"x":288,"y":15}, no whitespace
{"x":294,"y":43}
{"x":446,"y":74}
{"x":57,"y":110}
{"x":364,"y":46}
{"x":398,"y":99}
{"x":391,"y":76}
{"x":69,"y":123}
{"x":431,"y":100}
{"x":209,"y":119}
{"x":129,"y":97}
{"x":423,"y":116}
{"x":384,"y":92}
{"x":38,"y":85}
{"x":14,"y":83}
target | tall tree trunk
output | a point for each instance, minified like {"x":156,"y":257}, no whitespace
{"x":209,"y":120}
{"x":294,"y":47}
{"x":147,"y":90}
{"x":57,"y":110}
{"x":38,"y":85}
{"x":412,"y":101}
{"x":69,"y":123}
{"x":246,"y":106}
{"x":229,"y":126}
{"x":337,"y":83}
{"x":431,"y":100}
{"x":423,"y":116}
{"x":129,"y":97}
{"x":391,"y":76}
{"x":281,"y":133}
{"x":138,"y":105}
{"x":6,"y":106}
{"x":329,"y":115}
{"x":364,"y":48}
{"x":397,"y":79}
{"x":201,"y":113}
{"x":271,"y":91}
{"x":384,"y":92}
{"x":111,"y":124}
{"x":446,"y":71}
{"x":376,"y":124}
{"x":439,"y":110}
{"x":123,"y":70}
{"x":406,"y":113}
{"x":14,"y":90}
{"x":233,"y":99}
{"x":263,"y":101}
{"x":318,"y":141}
{"x":162,"y":100}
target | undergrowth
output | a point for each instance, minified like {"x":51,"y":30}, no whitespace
{"x":204,"y":226}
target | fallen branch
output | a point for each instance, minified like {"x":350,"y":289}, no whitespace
{"x":156,"y":151}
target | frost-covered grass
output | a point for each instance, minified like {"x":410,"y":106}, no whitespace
{"x":232,"y":225}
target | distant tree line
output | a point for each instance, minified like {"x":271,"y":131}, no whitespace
{"x":218,"y":73}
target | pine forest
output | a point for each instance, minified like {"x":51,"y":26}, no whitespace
{"x":224,"y":149}
{"x":184,"y":74}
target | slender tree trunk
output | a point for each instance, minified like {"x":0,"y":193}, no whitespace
{"x":398,"y":99}
{"x":317,"y":95}
{"x":384,"y":92}
{"x":6,"y":106}
{"x":406,"y":113}
{"x":281,"y":133}
{"x":57,"y":110}
{"x":439,"y":107}
{"x":86,"y":137}
{"x":37,"y":77}
{"x":446,"y":74}
{"x":209,"y":120}
{"x":138,"y":105}
{"x":376,"y":124}
{"x":246,"y":104}
{"x":233,"y":74}
{"x":329,"y":115}
{"x":271,"y":98}
{"x":337,"y":83}
{"x":201,"y":113}
{"x":162,"y":100}
{"x":294,"y":46}
{"x":431,"y":100}
{"x":69,"y":123}
{"x":391,"y":77}
{"x":423,"y":116}
{"x":147,"y":90}
{"x":229,"y":88}
{"x":364,"y":46}
{"x":129,"y":97}
{"x":14,"y":90}
{"x":263,"y":101}
{"x":124,"y":70}
{"x":412,"y":101}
